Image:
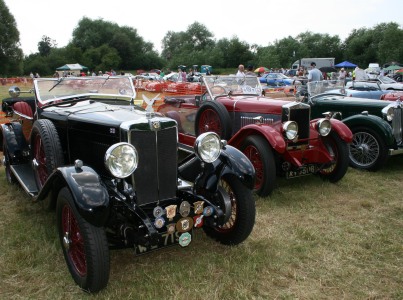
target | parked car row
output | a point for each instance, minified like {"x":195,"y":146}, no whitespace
{"x":112,"y":171}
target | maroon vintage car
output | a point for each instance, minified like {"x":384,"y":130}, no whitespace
{"x":278,"y":136}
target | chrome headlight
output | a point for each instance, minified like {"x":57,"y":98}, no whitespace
{"x":324,"y":127}
{"x":390,"y":114}
{"x":121,"y":159}
{"x":290,"y":129}
{"x":208,"y":147}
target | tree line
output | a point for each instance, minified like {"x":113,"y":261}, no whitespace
{"x":102,"y":45}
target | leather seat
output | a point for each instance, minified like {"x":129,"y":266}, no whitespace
{"x":23,"y":108}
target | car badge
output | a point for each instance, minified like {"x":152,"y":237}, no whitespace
{"x":159,"y":222}
{"x":184,"y":209}
{"x":171,"y":211}
{"x":184,"y":224}
{"x":158,"y":211}
{"x":198,"y":207}
{"x":185,"y":239}
{"x":198,"y":221}
{"x":208,"y":211}
{"x":171,"y":228}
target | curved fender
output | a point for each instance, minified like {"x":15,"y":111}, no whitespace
{"x":90,"y":195}
{"x":373,"y":122}
{"x":231,"y":161}
{"x":275,"y":139}
{"x":342,"y":130}
{"x":14,"y":138}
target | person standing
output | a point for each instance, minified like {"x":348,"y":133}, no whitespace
{"x":241,"y":71}
{"x":314,"y":74}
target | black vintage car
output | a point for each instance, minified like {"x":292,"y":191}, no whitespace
{"x":112,"y":171}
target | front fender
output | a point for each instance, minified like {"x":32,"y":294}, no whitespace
{"x":90,"y":195}
{"x":342,"y":130}
{"x":207,"y":176}
{"x":275,"y":139}
{"x":373,"y":122}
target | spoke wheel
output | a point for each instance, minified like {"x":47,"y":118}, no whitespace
{"x":367,"y":151}
{"x":338,"y":149}
{"x":214,"y":117}
{"x":259,"y":152}
{"x":241,"y":216}
{"x":85,"y":246}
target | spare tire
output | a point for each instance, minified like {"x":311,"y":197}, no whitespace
{"x":213,"y":117}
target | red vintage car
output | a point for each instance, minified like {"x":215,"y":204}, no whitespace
{"x":277,"y":136}
{"x":392,"y":96}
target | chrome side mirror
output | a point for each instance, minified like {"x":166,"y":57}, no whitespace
{"x":14,"y":91}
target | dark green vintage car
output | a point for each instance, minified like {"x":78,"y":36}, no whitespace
{"x":376,"y":124}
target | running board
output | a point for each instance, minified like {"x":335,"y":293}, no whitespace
{"x":26,"y":177}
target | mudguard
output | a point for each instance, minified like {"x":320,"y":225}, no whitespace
{"x":13,"y":137}
{"x":373,"y":122}
{"x":90,"y":195}
{"x":342,"y":130}
{"x":275,"y":139}
{"x":231,"y":161}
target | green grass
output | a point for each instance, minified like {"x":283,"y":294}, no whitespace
{"x":311,"y":240}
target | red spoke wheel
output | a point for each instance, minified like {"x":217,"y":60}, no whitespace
{"x":260,"y":154}
{"x":214,"y":117}
{"x":85,"y":246}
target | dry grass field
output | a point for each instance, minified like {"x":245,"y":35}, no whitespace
{"x":312,"y":240}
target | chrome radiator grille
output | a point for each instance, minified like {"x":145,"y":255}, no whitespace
{"x":156,"y":176}
{"x":300,"y":113}
{"x":397,"y":124}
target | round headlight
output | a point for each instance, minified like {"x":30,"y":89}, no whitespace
{"x":390,"y":114}
{"x":121,"y":159}
{"x":324,"y":126}
{"x":208,"y":146}
{"x":291,"y":129}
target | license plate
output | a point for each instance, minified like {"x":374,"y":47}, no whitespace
{"x":165,"y":240}
{"x":302,"y":171}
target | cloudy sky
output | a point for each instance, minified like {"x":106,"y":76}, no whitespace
{"x":255,"y":22}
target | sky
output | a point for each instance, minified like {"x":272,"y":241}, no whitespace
{"x":254,"y":22}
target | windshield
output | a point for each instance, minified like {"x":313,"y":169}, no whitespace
{"x":65,"y":88}
{"x":325,"y":86}
{"x":385,"y":79}
{"x":232,"y":85}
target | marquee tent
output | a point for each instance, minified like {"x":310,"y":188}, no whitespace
{"x":345,"y":64}
{"x":72,"y":67}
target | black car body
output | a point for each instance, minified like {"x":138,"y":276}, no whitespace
{"x":111,"y":170}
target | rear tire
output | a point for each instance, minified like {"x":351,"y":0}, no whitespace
{"x":213,"y":116}
{"x":85,"y":246}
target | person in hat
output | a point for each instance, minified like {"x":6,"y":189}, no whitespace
{"x":342,"y":74}
{"x":314,"y":74}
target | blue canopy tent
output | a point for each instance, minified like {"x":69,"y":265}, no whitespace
{"x":345,"y":64}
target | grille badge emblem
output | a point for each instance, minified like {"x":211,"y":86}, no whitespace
{"x":155,"y":125}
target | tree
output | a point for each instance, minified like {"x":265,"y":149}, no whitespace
{"x":45,"y":45}
{"x":10,"y":52}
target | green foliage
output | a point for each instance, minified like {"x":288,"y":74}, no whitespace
{"x":10,"y":52}
{"x":45,"y":45}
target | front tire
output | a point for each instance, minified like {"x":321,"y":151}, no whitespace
{"x":260,"y":153}
{"x":339,"y":150}
{"x":242,"y":216}
{"x":368,"y":150}
{"x":11,"y":179}
{"x":85,"y":246}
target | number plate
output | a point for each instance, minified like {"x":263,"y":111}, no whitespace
{"x":302,"y":171}
{"x":165,"y":240}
